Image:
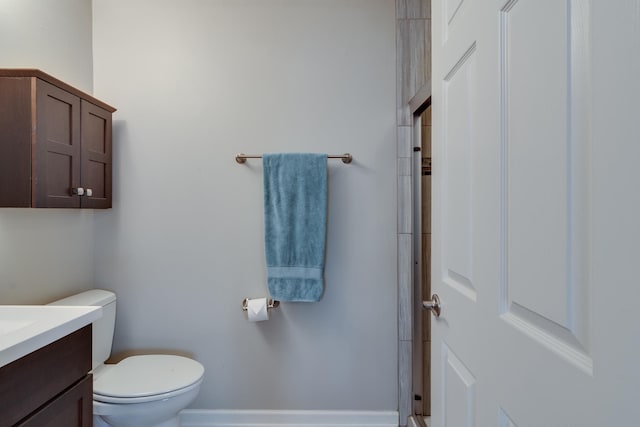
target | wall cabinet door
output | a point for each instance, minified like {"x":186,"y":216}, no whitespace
{"x":96,"y":156}
{"x":56,"y":171}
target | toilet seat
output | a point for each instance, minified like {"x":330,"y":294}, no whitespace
{"x":146,"y":378}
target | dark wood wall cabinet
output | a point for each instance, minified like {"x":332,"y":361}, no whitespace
{"x":50,"y":387}
{"x":55,"y":143}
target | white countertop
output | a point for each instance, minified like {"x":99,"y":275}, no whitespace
{"x":26,"y":328}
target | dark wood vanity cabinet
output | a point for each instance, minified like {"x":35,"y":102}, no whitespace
{"x":55,"y":144}
{"x":50,"y":387}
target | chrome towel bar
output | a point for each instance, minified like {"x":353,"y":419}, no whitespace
{"x":242,"y":158}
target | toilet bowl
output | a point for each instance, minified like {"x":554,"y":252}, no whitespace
{"x":143,"y":391}
{"x":139,"y":391}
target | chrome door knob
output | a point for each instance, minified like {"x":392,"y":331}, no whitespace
{"x":89,"y":192}
{"x":433,"y":304}
{"x":77,"y":191}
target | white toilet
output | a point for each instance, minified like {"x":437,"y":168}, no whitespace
{"x":139,"y":391}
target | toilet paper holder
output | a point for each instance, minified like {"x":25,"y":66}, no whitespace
{"x":270,"y":304}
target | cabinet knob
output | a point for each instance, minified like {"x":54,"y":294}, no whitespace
{"x":78,"y":191}
{"x":89,"y":192}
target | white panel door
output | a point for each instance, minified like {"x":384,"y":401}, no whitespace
{"x":536,"y":213}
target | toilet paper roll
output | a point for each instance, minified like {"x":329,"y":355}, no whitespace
{"x":257,"y":310}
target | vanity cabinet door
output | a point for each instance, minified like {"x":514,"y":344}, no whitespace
{"x":39,"y":379}
{"x":73,"y":408}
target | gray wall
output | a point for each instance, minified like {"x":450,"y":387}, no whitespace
{"x":196,"y":82}
{"x":53,"y":35}
{"x":46,"y":254}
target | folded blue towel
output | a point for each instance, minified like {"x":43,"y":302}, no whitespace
{"x":295,"y":219}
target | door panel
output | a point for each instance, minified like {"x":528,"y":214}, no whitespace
{"x":505,"y":421}
{"x":458,"y":391}
{"x":534,"y":173}
{"x":545,"y":181}
{"x":458,"y":92}
{"x":455,"y":235}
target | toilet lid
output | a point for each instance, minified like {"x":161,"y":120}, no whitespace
{"x":148,"y":375}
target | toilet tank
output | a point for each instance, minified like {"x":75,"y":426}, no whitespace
{"x":103,"y":328}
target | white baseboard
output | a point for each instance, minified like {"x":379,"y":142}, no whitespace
{"x":266,"y":418}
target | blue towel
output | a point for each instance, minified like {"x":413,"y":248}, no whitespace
{"x":295,"y":219}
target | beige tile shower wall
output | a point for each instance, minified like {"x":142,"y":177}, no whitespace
{"x":413,"y":71}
